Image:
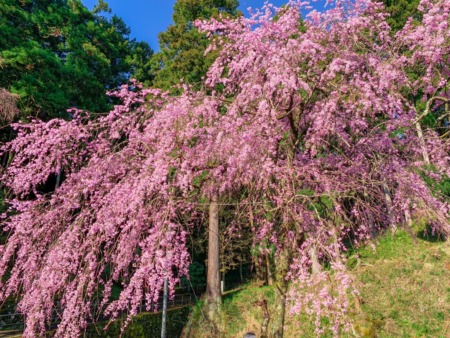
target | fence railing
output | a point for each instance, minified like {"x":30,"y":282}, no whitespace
{"x":11,"y":321}
{"x":14,"y":321}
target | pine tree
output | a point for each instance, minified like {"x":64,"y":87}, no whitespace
{"x":56,"y":54}
{"x":400,"y":11}
{"x":182,"y":46}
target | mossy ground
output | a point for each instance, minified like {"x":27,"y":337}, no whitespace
{"x":404,"y":286}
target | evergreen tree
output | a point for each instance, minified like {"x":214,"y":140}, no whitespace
{"x":56,"y":53}
{"x":400,"y":11}
{"x":183,"y":46}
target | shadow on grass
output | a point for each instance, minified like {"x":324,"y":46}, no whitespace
{"x":230,"y":294}
{"x":430,"y":235}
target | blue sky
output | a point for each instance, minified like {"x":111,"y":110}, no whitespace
{"x":147,"y":18}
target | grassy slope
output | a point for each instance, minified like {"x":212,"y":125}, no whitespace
{"x":405,"y":286}
{"x":405,"y":292}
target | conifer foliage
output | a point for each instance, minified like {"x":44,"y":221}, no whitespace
{"x":311,"y":119}
{"x":182,"y":56}
{"x":55,"y":54}
{"x":400,"y":11}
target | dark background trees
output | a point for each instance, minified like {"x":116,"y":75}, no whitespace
{"x":56,"y":54}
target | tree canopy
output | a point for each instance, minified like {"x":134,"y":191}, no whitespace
{"x":56,"y":54}
{"x":182,"y":55}
{"x":313,"y":132}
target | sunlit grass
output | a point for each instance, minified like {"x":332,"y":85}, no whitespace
{"x":404,"y":286}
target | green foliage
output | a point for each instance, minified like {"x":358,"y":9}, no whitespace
{"x":400,"y":11}
{"x":440,"y":188}
{"x":197,"y":277}
{"x":182,"y":46}
{"x":143,"y":325}
{"x":56,"y":54}
{"x":239,"y":312}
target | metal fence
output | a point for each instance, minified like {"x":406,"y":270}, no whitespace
{"x":11,"y":321}
{"x":14,"y":321}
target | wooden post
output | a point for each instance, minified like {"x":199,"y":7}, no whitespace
{"x":222,"y":283}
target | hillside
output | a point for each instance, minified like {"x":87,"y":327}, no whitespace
{"x":404,"y":288}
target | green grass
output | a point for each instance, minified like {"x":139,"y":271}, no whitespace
{"x":144,"y":325}
{"x":240,"y":314}
{"x":404,"y":286}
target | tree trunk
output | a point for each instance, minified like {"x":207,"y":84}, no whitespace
{"x":58,"y":180}
{"x":5,"y":159}
{"x":267,"y":269}
{"x":266,"y":317}
{"x":278,"y":315}
{"x":315,"y":264}
{"x":388,"y":198}
{"x":259,"y":268}
{"x":408,"y":219}
{"x":425,"y":155}
{"x":213,"y":294}
{"x":271,"y":268}
{"x":241,"y":275}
